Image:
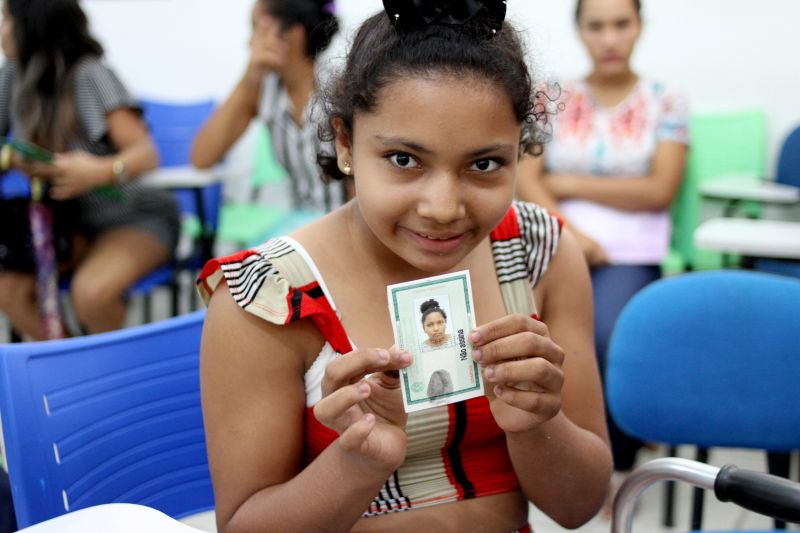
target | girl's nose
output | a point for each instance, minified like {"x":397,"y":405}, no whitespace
{"x":440,"y":199}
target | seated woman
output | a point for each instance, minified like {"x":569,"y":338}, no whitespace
{"x":278,"y":87}
{"x":303,"y":410}
{"x":55,"y":91}
{"x":613,"y":167}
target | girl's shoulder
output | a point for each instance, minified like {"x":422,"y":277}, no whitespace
{"x":276,"y":282}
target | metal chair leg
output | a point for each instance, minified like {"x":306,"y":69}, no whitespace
{"x":698,"y":495}
{"x":668,"y":518}
{"x":779,"y":464}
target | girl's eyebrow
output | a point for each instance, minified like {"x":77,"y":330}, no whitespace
{"x":395,"y":141}
{"x":491,"y":149}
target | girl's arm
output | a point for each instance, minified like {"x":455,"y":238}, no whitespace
{"x":564,"y":465}
{"x":227,"y":123}
{"x":253,"y":406}
{"x":268,"y":52}
{"x":653,"y":192}
{"x":549,"y":398}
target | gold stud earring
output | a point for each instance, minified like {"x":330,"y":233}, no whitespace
{"x":346,"y":168}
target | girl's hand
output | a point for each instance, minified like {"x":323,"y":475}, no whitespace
{"x":522,"y":371}
{"x":268,"y":50}
{"x":361,"y":401}
{"x":594,"y":253}
{"x":75,"y":173}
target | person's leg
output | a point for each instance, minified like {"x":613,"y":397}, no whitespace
{"x":8,"y":519}
{"x":116,"y":259}
{"x":613,"y":286}
{"x":18,"y":303}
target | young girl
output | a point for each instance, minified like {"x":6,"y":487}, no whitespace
{"x":613,"y":167}
{"x":278,"y":86}
{"x":304,"y":418}
{"x":56,"y":92}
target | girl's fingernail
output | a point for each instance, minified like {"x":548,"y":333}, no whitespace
{"x":474,"y":336}
{"x":405,"y":358}
{"x":383,"y":355}
{"x":369,"y":418}
{"x":498,"y":390}
{"x":476,"y":354}
{"x":489,"y":371}
{"x":363,"y":388}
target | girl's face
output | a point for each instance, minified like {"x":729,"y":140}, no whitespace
{"x":434,"y":166}
{"x":609,"y":29}
{"x":434,"y":326}
{"x":7,"y":34}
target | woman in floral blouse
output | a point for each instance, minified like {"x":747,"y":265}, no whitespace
{"x":614,"y":165}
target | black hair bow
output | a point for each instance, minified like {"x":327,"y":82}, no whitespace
{"x":410,"y":15}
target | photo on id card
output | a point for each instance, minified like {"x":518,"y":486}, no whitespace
{"x":431,"y":319}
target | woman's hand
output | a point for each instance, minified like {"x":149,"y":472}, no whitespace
{"x":361,"y":401}
{"x":594,"y":253}
{"x":522,"y":371}
{"x":268,"y":51}
{"x":76,"y":173}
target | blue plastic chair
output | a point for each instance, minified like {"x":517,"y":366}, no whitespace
{"x":789,"y":160}
{"x":173,"y":126}
{"x":709,"y":359}
{"x":789,"y":174}
{"x":106,"y":418}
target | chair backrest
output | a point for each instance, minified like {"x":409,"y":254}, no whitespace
{"x":709,"y":359}
{"x":789,"y":160}
{"x":107,"y":418}
{"x":722,"y":144}
{"x":173,"y":127}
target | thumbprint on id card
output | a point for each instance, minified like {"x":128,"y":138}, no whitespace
{"x":431,"y":319}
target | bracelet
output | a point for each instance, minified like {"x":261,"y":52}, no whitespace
{"x":6,"y":154}
{"x":120,"y":173}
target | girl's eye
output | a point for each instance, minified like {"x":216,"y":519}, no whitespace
{"x":403,"y":160}
{"x":485,"y":165}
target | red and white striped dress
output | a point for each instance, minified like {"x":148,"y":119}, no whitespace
{"x":455,"y":452}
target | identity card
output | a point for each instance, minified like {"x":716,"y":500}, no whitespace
{"x":431,"y":319}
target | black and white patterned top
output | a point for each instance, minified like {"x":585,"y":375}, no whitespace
{"x":296,"y":147}
{"x":97,"y":92}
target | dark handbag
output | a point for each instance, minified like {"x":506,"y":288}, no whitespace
{"x":16,"y":242}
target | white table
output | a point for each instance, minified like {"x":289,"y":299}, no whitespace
{"x":182,"y":177}
{"x":746,"y":188}
{"x":195,"y":179}
{"x":721,"y":197}
{"x":112,"y":517}
{"x":755,"y":238}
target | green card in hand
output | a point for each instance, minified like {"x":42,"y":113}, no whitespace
{"x":28,"y":150}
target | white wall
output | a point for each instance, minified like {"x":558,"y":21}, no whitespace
{"x":726,"y":54}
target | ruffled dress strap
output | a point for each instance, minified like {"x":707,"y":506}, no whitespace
{"x":275,"y":283}
{"x":523,"y":244}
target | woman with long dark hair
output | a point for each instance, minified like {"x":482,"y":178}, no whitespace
{"x":56,"y":92}
{"x":278,"y":87}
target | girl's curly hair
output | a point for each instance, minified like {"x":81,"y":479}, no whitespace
{"x":380,"y":55}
